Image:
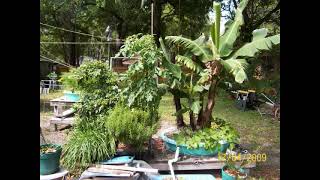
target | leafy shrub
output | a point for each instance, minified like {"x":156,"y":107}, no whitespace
{"x":98,"y":86}
{"x":130,"y":126}
{"x":85,"y":147}
{"x":90,"y":140}
{"x":219,"y":130}
{"x":142,"y":89}
{"x":69,"y":81}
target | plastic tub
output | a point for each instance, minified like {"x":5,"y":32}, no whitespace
{"x":70,"y":96}
{"x":50,"y":162}
{"x":201,"y":151}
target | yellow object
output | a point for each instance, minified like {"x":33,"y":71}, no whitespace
{"x":243,"y":92}
{"x":253,"y":91}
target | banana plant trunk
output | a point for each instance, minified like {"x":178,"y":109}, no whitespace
{"x":204,"y":120}
{"x":201,"y":110}
{"x":177,"y":103}
{"x":192,"y":116}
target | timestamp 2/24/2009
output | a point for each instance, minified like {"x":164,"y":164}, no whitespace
{"x":250,"y":157}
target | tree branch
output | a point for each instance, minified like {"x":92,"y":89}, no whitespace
{"x":267,"y":17}
{"x":235,"y":4}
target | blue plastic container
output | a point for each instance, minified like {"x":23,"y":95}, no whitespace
{"x":201,"y":151}
{"x":185,"y":177}
{"x":119,"y":160}
{"x":70,"y":96}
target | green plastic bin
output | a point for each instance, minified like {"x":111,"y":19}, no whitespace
{"x":50,"y":162}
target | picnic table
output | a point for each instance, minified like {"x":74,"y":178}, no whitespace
{"x":62,"y":116}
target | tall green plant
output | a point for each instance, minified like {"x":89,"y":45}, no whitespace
{"x":142,"y":89}
{"x":90,"y":140}
{"x":214,"y":58}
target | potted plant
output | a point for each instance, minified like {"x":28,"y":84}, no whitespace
{"x":49,"y":158}
{"x":210,"y":61}
{"x":208,"y":142}
{"x":70,"y":84}
{"x":52,"y":76}
{"x":233,"y":171}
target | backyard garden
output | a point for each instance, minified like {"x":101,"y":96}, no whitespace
{"x":188,"y":104}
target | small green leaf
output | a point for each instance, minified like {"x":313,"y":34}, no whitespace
{"x":196,"y":107}
{"x":259,"y":34}
{"x":197,"y":88}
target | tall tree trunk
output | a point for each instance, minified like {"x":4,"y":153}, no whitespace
{"x":157,"y":20}
{"x":73,"y":55}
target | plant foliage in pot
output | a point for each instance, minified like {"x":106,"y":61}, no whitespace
{"x":233,"y":171}
{"x":49,"y":158}
{"x":207,"y":142}
{"x":70,"y":84}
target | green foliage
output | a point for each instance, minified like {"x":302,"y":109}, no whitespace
{"x":85,"y":147}
{"x":92,"y":76}
{"x":196,"y":47}
{"x":232,"y":31}
{"x":200,"y":48}
{"x":142,"y":89}
{"x":98,"y":86}
{"x":130,"y":126}
{"x":91,"y":141}
{"x":69,"y":81}
{"x":52,"y":75}
{"x":257,"y":44}
{"x":220,"y":130}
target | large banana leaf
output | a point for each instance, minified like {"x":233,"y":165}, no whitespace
{"x":258,"y":43}
{"x":189,"y":63}
{"x":232,"y":31}
{"x":173,"y":68}
{"x":193,"y":46}
{"x":237,"y":67}
{"x":259,"y":34}
{"x":196,"y":107}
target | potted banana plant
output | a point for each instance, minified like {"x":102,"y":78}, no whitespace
{"x":209,"y":61}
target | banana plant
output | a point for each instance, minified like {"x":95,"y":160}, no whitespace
{"x":216,"y":56}
{"x":180,"y":85}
